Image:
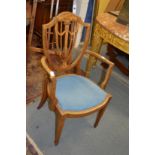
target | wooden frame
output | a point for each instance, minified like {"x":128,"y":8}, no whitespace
{"x":72,"y":24}
{"x":49,"y":85}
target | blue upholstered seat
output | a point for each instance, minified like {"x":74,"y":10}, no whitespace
{"x":77,"y":93}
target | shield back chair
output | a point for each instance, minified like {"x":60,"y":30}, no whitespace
{"x":70,"y":94}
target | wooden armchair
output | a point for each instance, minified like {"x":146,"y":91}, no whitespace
{"x":71,"y":94}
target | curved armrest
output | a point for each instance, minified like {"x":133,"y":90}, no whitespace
{"x":45,"y":66}
{"x":104,"y":60}
{"x":51,"y":86}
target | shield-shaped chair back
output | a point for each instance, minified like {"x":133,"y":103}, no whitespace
{"x":59,"y":37}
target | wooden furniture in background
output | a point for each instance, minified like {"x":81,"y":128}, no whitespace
{"x":44,"y":9}
{"x":102,"y":6}
{"x":31,"y":6}
{"x":42,"y":12}
{"x":107,"y":30}
{"x":123,"y":16}
{"x":31,"y":13}
{"x":70,"y":94}
{"x":118,"y":57}
{"x":114,"y":5}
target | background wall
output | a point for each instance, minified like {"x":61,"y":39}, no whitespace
{"x":81,"y":9}
{"x":89,"y":16}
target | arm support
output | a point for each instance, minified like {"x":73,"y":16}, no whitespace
{"x":51,"y":87}
{"x":104,"y":60}
{"x":47,"y":69}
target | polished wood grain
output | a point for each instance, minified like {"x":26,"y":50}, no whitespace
{"x":68,"y":66}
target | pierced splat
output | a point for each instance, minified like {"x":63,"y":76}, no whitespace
{"x":59,"y":37}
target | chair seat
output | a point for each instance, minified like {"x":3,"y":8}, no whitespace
{"x":75,"y":93}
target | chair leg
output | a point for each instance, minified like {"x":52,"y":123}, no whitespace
{"x":99,"y":116}
{"x":59,"y":124}
{"x":44,"y":94}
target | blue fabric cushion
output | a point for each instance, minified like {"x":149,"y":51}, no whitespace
{"x":77,"y":93}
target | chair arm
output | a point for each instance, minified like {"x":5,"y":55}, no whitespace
{"x":45,"y":66}
{"x":51,"y":86}
{"x":109,"y":69}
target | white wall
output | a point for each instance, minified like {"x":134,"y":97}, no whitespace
{"x":81,"y":10}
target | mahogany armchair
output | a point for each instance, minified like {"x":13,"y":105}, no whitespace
{"x":71,"y":94}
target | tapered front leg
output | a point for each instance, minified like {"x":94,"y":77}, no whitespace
{"x":99,"y":116}
{"x":59,"y":124}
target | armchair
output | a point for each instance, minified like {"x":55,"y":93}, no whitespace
{"x":70,"y":94}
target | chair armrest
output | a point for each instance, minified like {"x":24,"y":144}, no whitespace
{"x":104,"y":60}
{"x":51,"y":86}
{"x":47,"y":69}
